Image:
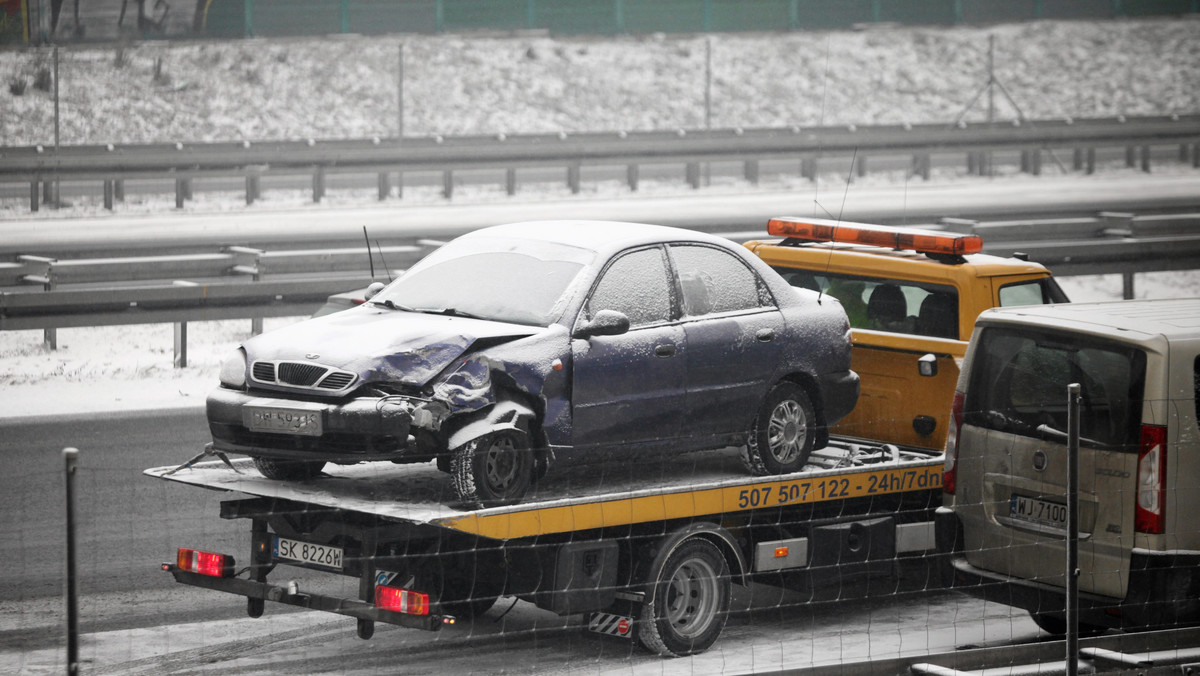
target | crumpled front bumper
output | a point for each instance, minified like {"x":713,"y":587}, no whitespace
{"x":364,"y":428}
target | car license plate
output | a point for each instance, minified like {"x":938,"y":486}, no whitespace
{"x":306,"y":552}
{"x":1037,"y":511}
{"x":282,"y":420}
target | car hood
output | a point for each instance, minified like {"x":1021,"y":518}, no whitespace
{"x":382,"y":345}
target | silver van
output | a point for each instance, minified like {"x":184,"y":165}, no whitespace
{"x":1003,"y":524}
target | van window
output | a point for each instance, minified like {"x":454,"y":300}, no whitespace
{"x":1019,"y":379}
{"x":1032,"y":292}
{"x":891,"y":305}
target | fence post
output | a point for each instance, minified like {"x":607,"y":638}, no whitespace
{"x":448,"y":183}
{"x":632,"y":173}
{"x":33,"y":196}
{"x":510,"y":181}
{"x":71,"y":458}
{"x":1072,"y":657}
{"x":693,"y":174}
{"x":181,"y":344}
{"x":384,"y":186}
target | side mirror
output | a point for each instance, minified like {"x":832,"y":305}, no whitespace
{"x":927,"y":366}
{"x":373,"y":289}
{"x":605,"y":323}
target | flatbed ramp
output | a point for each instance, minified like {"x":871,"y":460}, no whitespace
{"x":583,"y":497}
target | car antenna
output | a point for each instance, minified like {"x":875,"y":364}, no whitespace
{"x":386,"y":269}
{"x":370,"y":258}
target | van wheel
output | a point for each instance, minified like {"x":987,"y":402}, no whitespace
{"x":783,"y":433}
{"x":495,"y":469}
{"x":289,"y":470}
{"x":1056,"y":625}
{"x":689,"y":603}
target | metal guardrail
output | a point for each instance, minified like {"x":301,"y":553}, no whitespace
{"x":240,"y":283}
{"x":112,"y":164}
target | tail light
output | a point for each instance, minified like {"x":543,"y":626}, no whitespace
{"x":950,"y":471}
{"x":205,"y":563}
{"x":1150,"y":513}
{"x":401,"y":600}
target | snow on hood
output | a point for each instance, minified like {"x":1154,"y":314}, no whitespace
{"x":381,"y":345}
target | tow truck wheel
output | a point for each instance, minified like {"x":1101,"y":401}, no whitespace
{"x":495,"y":469}
{"x":783,"y":433}
{"x":288,"y":470}
{"x":690,"y":601}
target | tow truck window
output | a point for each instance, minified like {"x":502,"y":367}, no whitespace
{"x":636,"y":285}
{"x":1031,"y":292}
{"x":894,"y":306}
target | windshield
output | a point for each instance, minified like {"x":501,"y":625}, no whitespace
{"x":500,"y":279}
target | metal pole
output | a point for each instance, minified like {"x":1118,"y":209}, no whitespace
{"x":56,"y":128}
{"x":708,"y":83}
{"x":1073,"y":529}
{"x":400,"y":91}
{"x":71,"y":457}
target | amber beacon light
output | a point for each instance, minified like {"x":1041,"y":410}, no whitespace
{"x":921,"y":241}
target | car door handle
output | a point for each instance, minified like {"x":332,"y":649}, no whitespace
{"x":664,"y":350}
{"x":765,"y":335}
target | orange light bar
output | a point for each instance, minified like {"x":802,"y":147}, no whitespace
{"x":921,"y":241}
{"x":204,"y":563}
{"x":401,"y":600}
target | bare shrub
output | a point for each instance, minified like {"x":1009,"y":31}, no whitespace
{"x":16,"y":86}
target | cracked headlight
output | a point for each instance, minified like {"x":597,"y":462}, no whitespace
{"x":233,"y":371}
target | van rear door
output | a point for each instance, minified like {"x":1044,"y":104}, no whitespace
{"x":1012,"y":487}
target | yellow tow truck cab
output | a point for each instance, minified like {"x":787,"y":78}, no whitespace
{"x":912,"y":297}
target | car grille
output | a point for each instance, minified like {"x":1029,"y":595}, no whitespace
{"x":302,"y":374}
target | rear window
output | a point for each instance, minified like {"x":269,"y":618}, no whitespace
{"x":1042,"y":291}
{"x":1019,"y":380}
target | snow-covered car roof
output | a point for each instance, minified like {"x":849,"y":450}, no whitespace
{"x":604,"y":237}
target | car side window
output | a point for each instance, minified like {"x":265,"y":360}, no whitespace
{"x":636,"y":285}
{"x":1031,"y":292}
{"x":714,"y":281}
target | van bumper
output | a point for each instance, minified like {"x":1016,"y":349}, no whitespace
{"x":1164,"y":587}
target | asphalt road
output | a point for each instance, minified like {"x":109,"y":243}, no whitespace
{"x":126,"y":523}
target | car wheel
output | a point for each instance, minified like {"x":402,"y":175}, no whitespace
{"x":783,"y":433}
{"x":495,"y":469}
{"x":689,"y":603}
{"x":289,"y":470}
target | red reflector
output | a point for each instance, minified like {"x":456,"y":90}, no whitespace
{"x":781,"y":552}
{"x":205,"y":563}
{"x":401,"y":600}
{"x":921,"y":241}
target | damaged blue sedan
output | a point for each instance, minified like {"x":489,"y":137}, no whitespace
{"x":518,"y":344}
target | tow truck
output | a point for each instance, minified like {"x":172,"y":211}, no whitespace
{"x":652,"y":561}
{"x":912,"y":297}
{"x":649,"y":552}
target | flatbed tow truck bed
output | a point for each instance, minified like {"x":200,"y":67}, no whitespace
{"x":618,"y":540}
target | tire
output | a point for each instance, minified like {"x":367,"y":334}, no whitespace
{"x":690,"y":601}
{"x":493,"y":470}
{"x":289,"y":470}
{"x":1056,"y":625}
{"x":783,"y":433}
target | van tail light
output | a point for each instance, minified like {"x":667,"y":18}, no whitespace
{"x":204,"y":563}
{"x":401,"y":600}
{"x":950,"y":471}
{"x":1150,"y":514}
